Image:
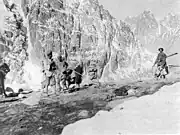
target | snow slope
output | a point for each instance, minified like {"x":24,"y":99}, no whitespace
{"x":152,"y":114}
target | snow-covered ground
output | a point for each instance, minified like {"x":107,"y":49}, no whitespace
{"x":151,"y":114}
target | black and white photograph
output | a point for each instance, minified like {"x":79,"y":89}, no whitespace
{"x":89,"y":67}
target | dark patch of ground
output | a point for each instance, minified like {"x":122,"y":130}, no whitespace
{"x":53,"y":113}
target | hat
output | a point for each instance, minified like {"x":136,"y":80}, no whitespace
{"x":160,"y":49}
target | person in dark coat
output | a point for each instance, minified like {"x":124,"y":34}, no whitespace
{"x":49,"y":70}
{"x":4,"y":69}
{"x":66,"y":75}
{"x":161,"y":63}
{"x":78,"y":74}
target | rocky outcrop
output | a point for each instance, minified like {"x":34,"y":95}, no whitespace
{"x":82,"y":28}
{"x":152,"y":32}
{"x":143,"y":24}
{"x":14,"y":38}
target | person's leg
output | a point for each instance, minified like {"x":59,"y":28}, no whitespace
{"x":78,"y":86}
{"x":3,"y":87}
{"x":47,"y":84}
{"x":167,"y":70}
{"x":164,"y":73}
{"x":158,"y":72}
{"x":57,"y":83}
{"x":156,"y":75}
{"x":67,"y":84}
{"x":62,"y":83}
{"x":1,"y":90}
{"x":100,"y":72}
{"x":61,"y":86}
{"x":77,"y":81}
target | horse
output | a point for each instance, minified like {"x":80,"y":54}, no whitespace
{"x":4,"y":69}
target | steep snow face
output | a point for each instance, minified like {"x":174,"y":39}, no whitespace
{"x":152,"y":114}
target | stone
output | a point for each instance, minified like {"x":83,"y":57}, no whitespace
{"x":83,"y":114}
{"x":132,"y":92}
{"x":122,"y":91}
{"x":21,"y":96}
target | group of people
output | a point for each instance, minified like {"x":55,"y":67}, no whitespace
{"x":58,"y":69}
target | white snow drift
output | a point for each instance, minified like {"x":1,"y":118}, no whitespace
{"x":152,"y":114}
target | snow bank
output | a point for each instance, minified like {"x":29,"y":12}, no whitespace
{"x":33,"y":75}
{"x":152,"y":114}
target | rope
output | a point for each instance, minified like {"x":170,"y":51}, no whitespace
{"x":77,"y":72}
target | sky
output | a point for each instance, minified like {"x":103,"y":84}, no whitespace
{"x":120,"y":9}
{"x":2,"y":13}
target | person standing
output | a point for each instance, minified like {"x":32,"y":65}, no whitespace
{"x":50,"y":67}
{"x":65,"y":76}
{"x":4,"y":69}
{"x":161,"y":63}
{"x":58,"y":73}
{"x":78,"y":74}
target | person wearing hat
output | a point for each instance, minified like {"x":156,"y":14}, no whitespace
{"x":50,"y":67}
{"x":66,"y":76}
{"x":58,"y":73}
{"x":161,"y":62}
